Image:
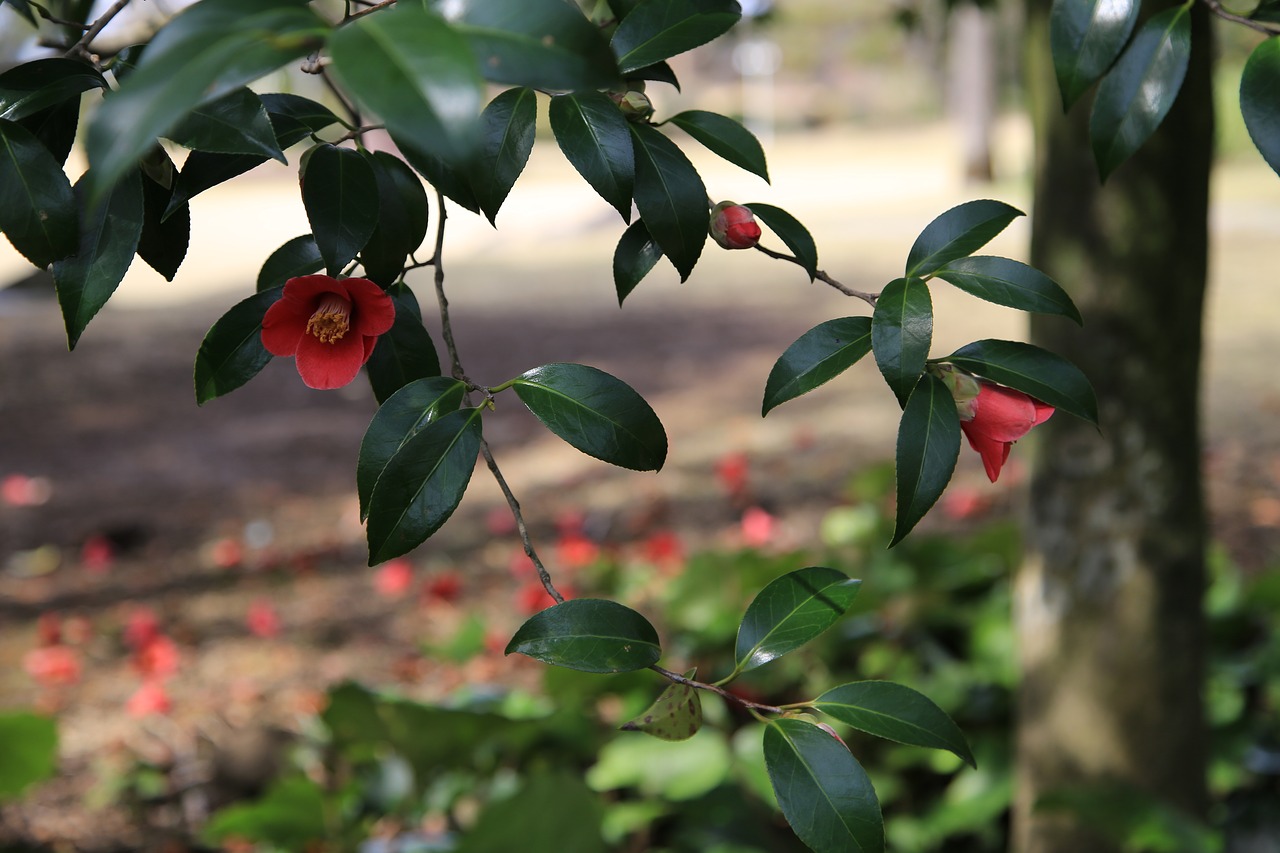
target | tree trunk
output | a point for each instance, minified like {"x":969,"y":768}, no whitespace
{"x":972,"y":84}
{"x":1108,"y":601}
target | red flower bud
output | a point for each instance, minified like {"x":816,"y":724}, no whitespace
{"x":997,"y":417}
{"x":733,"y":226}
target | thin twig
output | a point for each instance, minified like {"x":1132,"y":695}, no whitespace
{"x":543,"y":575}
{"x":1261,"y":26}
{"x":375,"y":7}
{"x":720,"y":691}
{"x":82,"y":47}
{"x":820,"y":275}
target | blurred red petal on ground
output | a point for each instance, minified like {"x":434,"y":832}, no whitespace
{"x":97,"y":555}
{"x":575,"y":550}
{"x":141,"y":627}
{"x":731,"y":471}
{"x":663,"y":548}
{"x":533,"y":597}
{"x":49,"y":629}
{"x":965,"y":502}
{"x":262,"y":620}
{"x":21,"y":490}
{"x":150,"y":698}
{"x":443,"y":586}
{"x":158,"y":658}
{"x":393,"y":579}
{"x":758,"y":527}
{"x":499,"y":521}
{"x":53,"y":665}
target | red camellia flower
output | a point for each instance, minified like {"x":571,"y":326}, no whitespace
{"x":328,"y":326}
{"x":995,"y":419}
{"x":734,"y":226}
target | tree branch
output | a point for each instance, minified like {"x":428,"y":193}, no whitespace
{"x":82,"y":47}
{"x":869,"y":298}
{"x":719,"y":691}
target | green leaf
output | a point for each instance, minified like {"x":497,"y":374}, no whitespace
{"x":589,"y":635}
{"x":897,"y":713}
{"x":55,"y":127}
{"x":417,"y":73}
{"x":340,"y":194}
{"x":901,"y":333}
{"x":205,"y":52}
{"x":398,"y":419}
{"x":1043,"y":375}
{"x":1136,"y":94}
{"x":659,"y":72}
{"x":406,"y":352}
{"x":506,"y":138}
{"x":595,"y":138}
{"x":421,"y":485}
{"x":1085,"y":37}
{"x":660,"y":29}
{"x":29,"y":744}
{"x":597,"y":413}
{"x":290,"y":816}
{"x":164,"y":239}
{"x":822,"y":790}
{"x":402,"y":218}
{"x":960,"y":231}
{"x":1267,"y":10}
{"x":928,"y":446}
{"x":109,"y":237}
{"x":724,"y":137}
{"x":666,"y":771}
{"x":791,"y":611}
{"x":794,"y":235}
{"x":543,"y":44}
{"x":1010,"y":283}
{"x":37,"y":207}
{"x":675,"y":715}
{"x":670,"y":197}
{"x":298,"y":256}
{"x":1260,"y":99}
{"x":236,"y":123}
{"x":232,"y":352}
{"x":446,"y":179}
{"x":294,"y":117}
{"x":402,"y":416}
{"x":43,"y":83}
{"x":551,"y":810}
{"x":817,"y":356}
{"x":635,"y":256}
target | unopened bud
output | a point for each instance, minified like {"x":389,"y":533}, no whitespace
{"x":635,"y":105}
{"x":733,"y":226}
{"x":963,"y":387}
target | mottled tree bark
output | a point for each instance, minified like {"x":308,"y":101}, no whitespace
{"x":1108,"y":602}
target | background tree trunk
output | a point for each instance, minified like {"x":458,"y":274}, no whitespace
{"x":1108,"y":602}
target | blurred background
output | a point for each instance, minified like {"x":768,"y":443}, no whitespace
{"x":185,"y":588}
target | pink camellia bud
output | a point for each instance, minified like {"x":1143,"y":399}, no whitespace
{"x":995,"y":418}
{"x":733,"y":226}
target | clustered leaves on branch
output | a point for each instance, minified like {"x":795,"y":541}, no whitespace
{"x":421,"y":69}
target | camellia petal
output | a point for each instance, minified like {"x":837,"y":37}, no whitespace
{"x":996,"y":418}
{"x":325,"y":366}
{"x":374,"y":313}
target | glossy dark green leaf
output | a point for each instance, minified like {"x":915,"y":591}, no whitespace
{"x":1136,"y":94}
{"x":1010,"y":283}
{"x":822,"y":790}
{"x":635,"y":256}
{"x":589,"y":635}
{"x":422,"y":484}
{"x":1085,"y":37}
{"x":544,"y":44}
{"x":109,"y":236}
{"x":789,"y":612}
{"x":402,"y":218}
{"x":597,"y":413}
{"x":37,"y":208}
{"x":897,"y":713}
{"x":658,"y":72}
{"x":164,"y":240}
{"x":1043,"y":375}
{"x":901,"y":333}
{"x":293,"y":119}
{"x":55,"y":127}
{"x":232,"y":352}
{"x":794,"y":235}
{"x":405,"y":353}
{"x":660,"y":29}
{"x":532,"y":818}
{"x":340,"y":194}
{"x":206,"y":51}
{"x":451,"y":182}
{"x":817,"y":356}
{"x":29,"y":743}
{"x":236,"y":123}
{"x":415,"y":72}
{"x":960,"y":231}
{"x":298,"y":256}
{"x":670,"y":197}
{"x":400,"y":418}
{"x":595,"y":138}
{"x":675,"y":715}
{"x":1268,"y":11}
{"x":28,"y":88}
{"x":724,"y":137}
{"x":928,"y":446}
{"x":506,"y":138}
{"x":1260,"y":99}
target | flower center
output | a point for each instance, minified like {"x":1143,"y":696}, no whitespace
{"x":331,"y":320}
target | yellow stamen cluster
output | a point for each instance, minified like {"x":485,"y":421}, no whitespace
{"x":331,"y":320}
